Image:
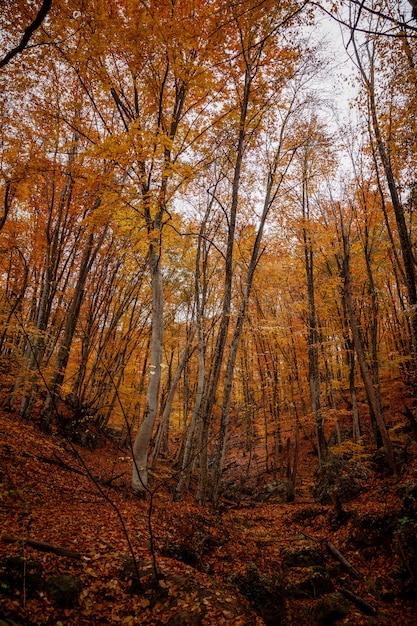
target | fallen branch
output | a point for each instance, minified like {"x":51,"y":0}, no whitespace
{"x":109,"y":481}
{"x":106,"y":482}
{"x":54,"y":461}
{"x":42,"y":546}
{"x":362,"y":604}
{"x":352,"y":570}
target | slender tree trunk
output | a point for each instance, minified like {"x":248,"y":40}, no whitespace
{"x":227,"y":390}
{"x":14,"y":302}
{"x":360,"y":352}
{"x":356,"y":427}
{"x":405,"y":241}
{"x":144,"y":434}
{"x":196,"y":421}
{"x":54,"y":233}
{"x":8,"y":197}
{"x":210,"y":394}
{"x":313,"y":334}
{"x":130,"y":426}
{"x":57,"y":379}
{"x":168,"y":404}
{"x":374,"y":321}
{"x":154,"y":228}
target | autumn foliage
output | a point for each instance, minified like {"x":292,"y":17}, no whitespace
{"x":197,"y":257}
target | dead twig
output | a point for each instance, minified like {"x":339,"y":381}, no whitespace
{"x":42,"y":546}
{"x":352,"y":570}
{"x":362,"y":604}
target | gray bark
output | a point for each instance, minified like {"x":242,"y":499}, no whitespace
{"x":170,"y":398}
{"x":210,"y":393}
{"x":144,"y":434}
{"x":89,"y":255}
{"x":186,"y":464}
{"x":360,"y":353}
{"x":231,"y":362}
{"x":54,"y":249}
{"x":405,"y":241}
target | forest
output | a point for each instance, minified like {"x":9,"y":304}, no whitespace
{"x":208,"y":312}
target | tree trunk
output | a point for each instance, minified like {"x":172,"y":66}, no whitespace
{"x":313,"y":334}
{"x":405,"y":241}
{"x":210,"y":394}
{"x":168,"y":404}
{"x":200,"y":300}
{"x":360,"y":352}
{"x":57,"y":379}
{"x":54,"y":234}
{"x":144,"y":434}
{"x":227,"y":390}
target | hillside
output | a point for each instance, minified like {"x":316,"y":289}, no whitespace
{"x":248,"y":562}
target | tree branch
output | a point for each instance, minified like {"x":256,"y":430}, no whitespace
{"x":43,"y":11}
{"x":42,"y":546}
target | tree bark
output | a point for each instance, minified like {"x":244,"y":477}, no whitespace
{"x":405,"y":241}
{"x":42,"y":546}
{"x":313,"y":334}
{"x":200,"y":291}
{"x":231,"y":362}
{"x":144,"y":434}
{"x":57,"y":379}
{"x":348,"y":566}
{"x":168,"y":404}
{"x":29,"y":30}
{"x":210,"y":393}
{"x":360,"y":353}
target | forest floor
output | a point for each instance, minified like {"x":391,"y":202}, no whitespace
{"x":243,"y":563}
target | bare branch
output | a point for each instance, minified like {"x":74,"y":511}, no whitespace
{"x":42,"y":13}
{"x":401,"y":25}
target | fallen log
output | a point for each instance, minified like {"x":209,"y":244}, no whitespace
{"x":43,"y":546}
{"x":362,"y":604}
{"x":352,"y":570}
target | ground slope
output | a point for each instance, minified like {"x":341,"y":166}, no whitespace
{"x":246,"y":562}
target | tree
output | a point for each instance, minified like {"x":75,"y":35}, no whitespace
{"x":367,"y":69}
{"x":360,"y":352}
{"x":29,"y":31}
{"x":315,"y":143}
{"x":89,"y":255}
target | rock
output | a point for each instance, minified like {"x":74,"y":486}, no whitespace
{"x":405,"y":538}
{"x":370,"y":530}
{"x":211,"y":603}
{"x":408,"y":493}
{"x":197,"y":537}
{"x":402,"y":456}
{"x":279,"y":491}
{"x":331,"y":609}
{"x":345,"y":480}
{"x":310,"y":513}
{"x":304,"y":555}
{"x":405,"y":546}
{"x":311,"y":582}
{"x":16,"y":572}
{"x":265,"y":593}
{"x":129,"y":571}
{"x":181,"y":552}
{"x":64,"y":590}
